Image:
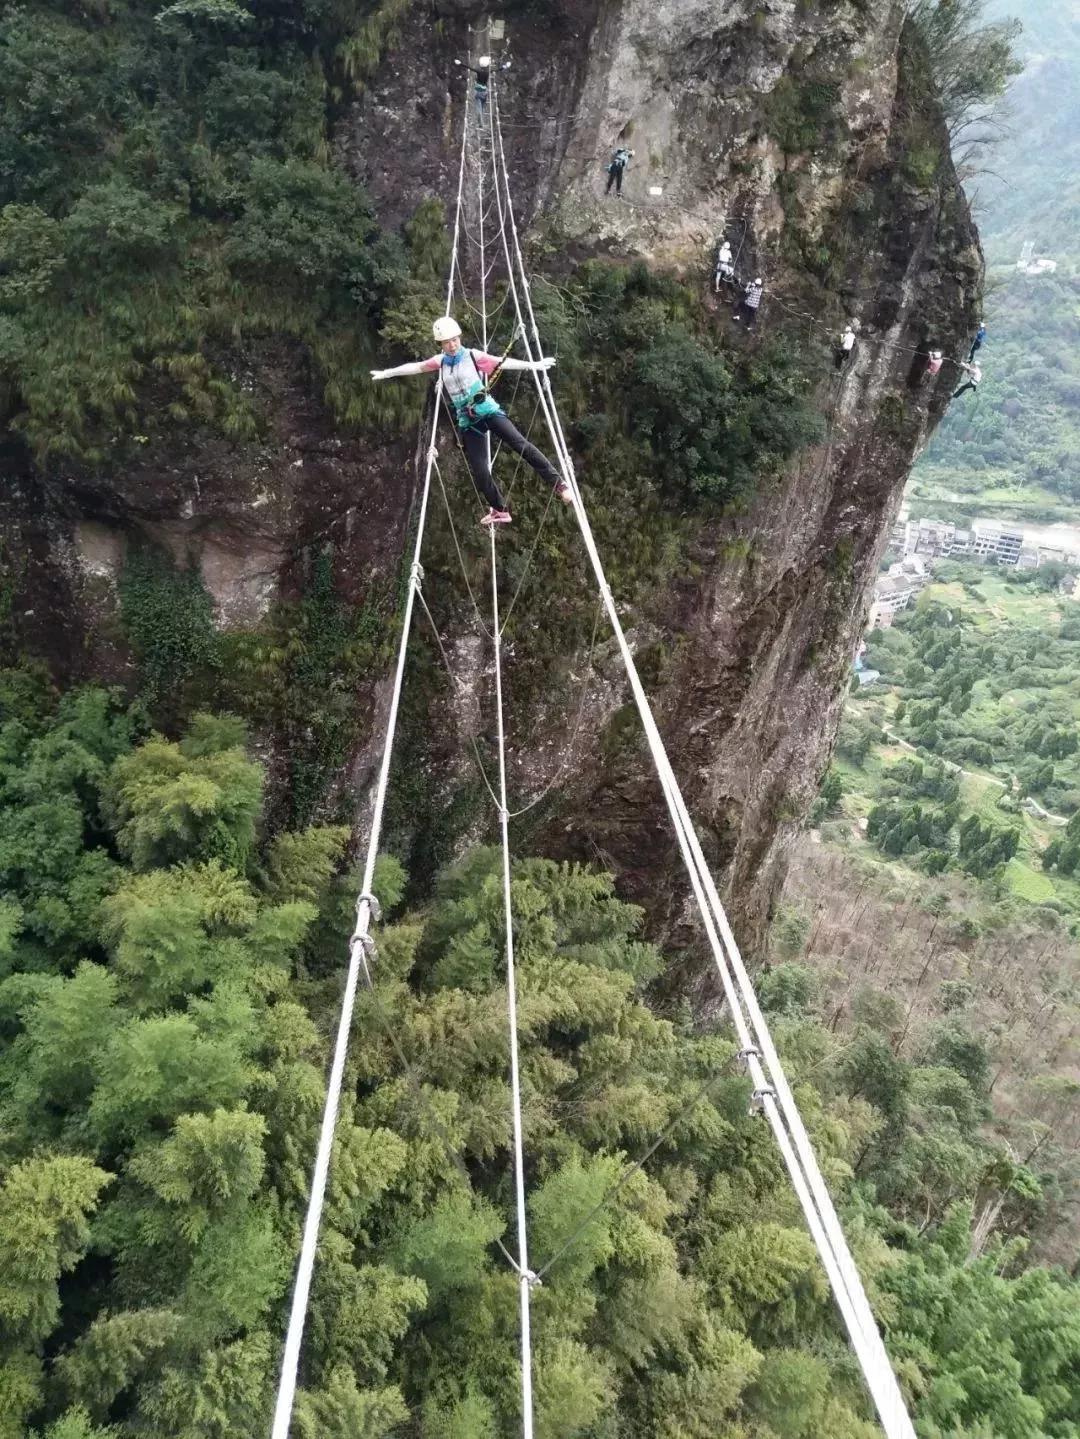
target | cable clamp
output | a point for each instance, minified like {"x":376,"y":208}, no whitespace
{"x":758,"y":1098}
{"x":416,"y":573}
{"x":374,"y":907}
{"x":368,"y":952}
{"x":744,"y":1056}
{"x":433,"y":454}
{"x":531,"y":1278}
{"x":504,"y":815}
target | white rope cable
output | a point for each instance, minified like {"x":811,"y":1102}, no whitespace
{"x":525,"y":1277}
{"x":790,"y":1110}
{"x":360,"y":941}
{"x":680,"y":816}
{"x":776,"y":1099}
{"x":687,"y":839}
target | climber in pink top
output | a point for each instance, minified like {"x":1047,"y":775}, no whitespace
{"x":478,"y":416}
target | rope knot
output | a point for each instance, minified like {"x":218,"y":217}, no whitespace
{"x":531,"y":1278}
{"x":416,"y":573}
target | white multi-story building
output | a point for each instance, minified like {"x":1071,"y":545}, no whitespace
{"x":991,"y":541}
{"x":934,"y":537}
{"x":891,"y":594}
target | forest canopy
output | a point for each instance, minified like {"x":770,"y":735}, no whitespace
{"x":169,"y":973}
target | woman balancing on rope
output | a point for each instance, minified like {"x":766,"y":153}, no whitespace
{"x":477,"y":414}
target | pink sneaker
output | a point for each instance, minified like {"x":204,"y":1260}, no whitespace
{"x":496,"y":517}
{"x":564,"y":492}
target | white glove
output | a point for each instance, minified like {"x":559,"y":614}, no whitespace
{"x":457,"y":62}
{"x":378,"y":374}
{"x":546,"y":363}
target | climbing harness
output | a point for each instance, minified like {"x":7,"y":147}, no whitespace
{"x":465,"y":388}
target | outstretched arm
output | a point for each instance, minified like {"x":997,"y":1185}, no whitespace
{"x":414,"y":367}
{"x":544,"y":364}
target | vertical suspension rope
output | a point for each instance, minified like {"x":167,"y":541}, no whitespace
{"x":360,"y":941}
{"x":525,"y":1278}
{"x":776,"y":1099}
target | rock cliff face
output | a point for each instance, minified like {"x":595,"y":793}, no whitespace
{"x":804,"y":132}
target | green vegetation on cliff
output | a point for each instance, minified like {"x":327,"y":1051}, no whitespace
{"x":168,"y":978}
{"x":168,"y":203}
{"x":166,"y":200}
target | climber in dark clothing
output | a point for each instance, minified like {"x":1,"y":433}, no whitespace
{"x":482,"y":71}
{"x":980,"y":336}
{"x":620,"y":158}
{"x":750,"y":304}
{"x":478,"y":416}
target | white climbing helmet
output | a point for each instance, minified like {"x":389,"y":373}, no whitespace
{"x":484,"y":61}
{"x":446,"y":328}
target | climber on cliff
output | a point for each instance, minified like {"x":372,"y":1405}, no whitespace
{"x":980,"y":336}
{"x":974,"y":373}
{"x":482,"y":71}
{"x":750,"y":303}
{"x":725,"y":268}
{"x":620,"y":158}
{"x":934,"y":362}
{"x":845,"y":346}
{"x":477,"y":415}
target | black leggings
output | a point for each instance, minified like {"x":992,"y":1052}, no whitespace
{"x":970,"y":385}
{"x":474,"y":443}
{"x":614,"y":177}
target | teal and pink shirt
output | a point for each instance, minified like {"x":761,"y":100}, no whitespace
{"x":463,"y":379}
